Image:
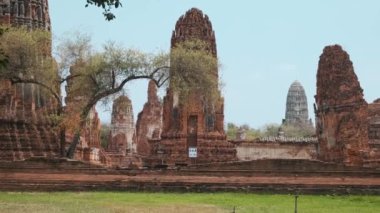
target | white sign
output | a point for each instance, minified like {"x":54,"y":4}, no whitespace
{"x":192,"y":152}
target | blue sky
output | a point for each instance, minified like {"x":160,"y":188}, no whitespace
{"x":263,"y":45}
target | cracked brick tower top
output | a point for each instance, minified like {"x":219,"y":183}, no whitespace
{"x":194,"y":25}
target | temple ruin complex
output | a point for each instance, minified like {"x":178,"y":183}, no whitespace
{"x":190,"y":132}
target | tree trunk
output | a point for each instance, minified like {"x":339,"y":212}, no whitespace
{"x":76,"y":139}
{"x":62,"y":135}
{"x":73,"y":145}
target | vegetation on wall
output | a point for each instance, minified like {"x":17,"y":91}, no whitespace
{"x":269,"y":130}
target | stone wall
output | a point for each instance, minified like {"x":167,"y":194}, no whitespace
{"x":341,"y":110}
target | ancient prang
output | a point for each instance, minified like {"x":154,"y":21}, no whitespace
{"x":32,"y":14}
{"x":189,"y":124}
{"x":121,"y":145}
{"x":341,"y":110}
{"x":25,"y":128}
{"x":297,"y":113}
{"x":89,"y":148}
{"x":149,"y":121}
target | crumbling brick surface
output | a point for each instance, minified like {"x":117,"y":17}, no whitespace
{"x":25,"y":126}
{"x":341,"y":110}
{"x":149,"y":121}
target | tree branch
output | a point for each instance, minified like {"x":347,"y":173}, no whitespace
{"x":69,"y":78}
{"x":18,"y":80}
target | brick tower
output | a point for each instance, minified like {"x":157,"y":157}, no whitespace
{"x":25,"y":128}
{"x":341,"y":110}
{"x":191,"y":125}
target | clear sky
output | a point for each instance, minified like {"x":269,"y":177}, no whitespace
{"x":263,"y":45}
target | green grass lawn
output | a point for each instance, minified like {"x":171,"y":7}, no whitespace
{"x":176,"y":202}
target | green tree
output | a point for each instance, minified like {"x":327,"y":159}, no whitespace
{"x":3,"y":56}
{"x":29,"y":61}
{"x":97,"y":75}
{"x":270,"y":130}
{"x":231,"y":131}
{"x":298,"y":130}
{"x":105,"y":135}
{"x":193,"y":68}
{"x":102,"y":75}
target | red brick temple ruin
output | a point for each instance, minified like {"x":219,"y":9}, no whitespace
{"x":149,"y":121}
{"x":189,"y":126}
{"x":341,"y":110}
{"x":25,"y":128}
{"x":189,"y":132}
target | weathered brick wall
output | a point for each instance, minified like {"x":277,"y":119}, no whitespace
{"x":304,"y":148}
{"x":341,"y":110}
{"x":25,"y":109}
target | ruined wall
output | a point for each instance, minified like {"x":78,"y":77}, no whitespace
{"x":374,"y":133}
{"x":341,"y":110}
{"x":26,"y":129}
{"x":374,"y":123}
{"x":149,"y":121}
{"x":190,"y":123}
{"x":301,"y":148}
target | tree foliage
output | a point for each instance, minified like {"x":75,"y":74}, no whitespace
{"x":101,"y":75}
{"x":269,"y":130}
{"x":29,"y":60}
{"x":95,"y":76}
{"x":107,"y":6}
{"x":251,"y":133}
{"x":298,"y":130}
{"x":194,"y":68}
{"x":105,"y":135}
{"x":3,"y":56}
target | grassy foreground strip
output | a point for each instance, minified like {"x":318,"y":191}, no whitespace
{"x":177,"y":202}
